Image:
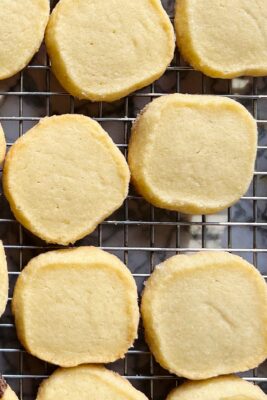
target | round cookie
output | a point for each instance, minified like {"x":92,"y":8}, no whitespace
{"x":222,"y":388}
{"x":22,"y":27}
{"x":76,"y":306}
{"x":183,"y":152}
{"x":200,"y":313}
{"x":87,"y":382}
{"x":103,"y":51}
{"x":223,"y":39}
{"x":2,"y":145}
{"x":3,"y":279}
{"x":63,"y":177}
{"x":6,"y":393}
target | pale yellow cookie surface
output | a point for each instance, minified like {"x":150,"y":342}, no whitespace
{"x":2,"y":145}
{"x":3,"y":280}
{"x":63,"y":177}
{"x":6,"y":393}
{"x":22,"y":27}
{"x":76,"y":306}
{"x":222,"y":388}
{"x":205,"y":315}
{"x":193,"y":154}
{"x":87,"y":382}
{"x":104,"y":50}
{"x":223,"y":39}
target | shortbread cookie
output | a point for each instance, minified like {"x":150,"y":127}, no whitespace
{"x":2,"y":145}
{"x":22,"y":27}
{"x":206,"y":315}
{"x":6,"y":393}
{"x":3,"y":279}
{"x":222,"y":388}
{"x":223,"y":39}
{"x":76,"y":306}
{"x":104,"y":50}
{"x":64,"y":177}
{"x":87,"y":382}
{"x":193,"y":154}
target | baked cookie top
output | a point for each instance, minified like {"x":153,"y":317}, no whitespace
{"x":223,"y":39}
{"x":63,"y":177}
{"x":201,"y":311}
{"x":22,"y":27}
{"x":87,"y":382}
{"x":76,"y":306}
{"x":2,"y":145}
{"x":104,"y":50}
{"x":222,"y":388}
{"x":3,"y":279}
{"x":193,"y":154}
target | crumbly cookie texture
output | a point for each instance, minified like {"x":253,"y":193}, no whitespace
{"x":6,"y":393}
{"x":210,"y":304}
{"x":76,"y":306}
{"x":64,"y":177}
{"x":22,"y":27}
{"x":87,"y":382}
{"x":223,"y":388}
{"x":3,"y":279}
{"x":105,"y":50}
{"x":223,"y":39}
{"x":193,"y":154}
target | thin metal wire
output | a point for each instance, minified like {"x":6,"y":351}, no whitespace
{"x":20,"y":227}
{"x":136,"y":94}
{"x":255,"y":212}
{"x":144,"y":249}
{"x":129,"y":377}
{"x":126,"y":206}
{"x":152,"y":245}
{"x":203,"y":226}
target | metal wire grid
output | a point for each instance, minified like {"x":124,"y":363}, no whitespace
{"x":139,"y":234}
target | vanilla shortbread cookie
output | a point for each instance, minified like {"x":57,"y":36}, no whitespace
{"x":206,"y":315}
{"x":223,"y":38}
{"x":22,"y":27}
{"x":222,"y":388}
{"x":2,"y":145}
{"x":104,"y":50}
{"x":193,"y":154}
{"x":87,"y":382}
{"x":63,"y":177}
{"x":3,"y":280}
{"x":76,"y":306}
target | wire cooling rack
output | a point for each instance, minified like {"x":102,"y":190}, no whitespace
{"x":138,"y":233}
